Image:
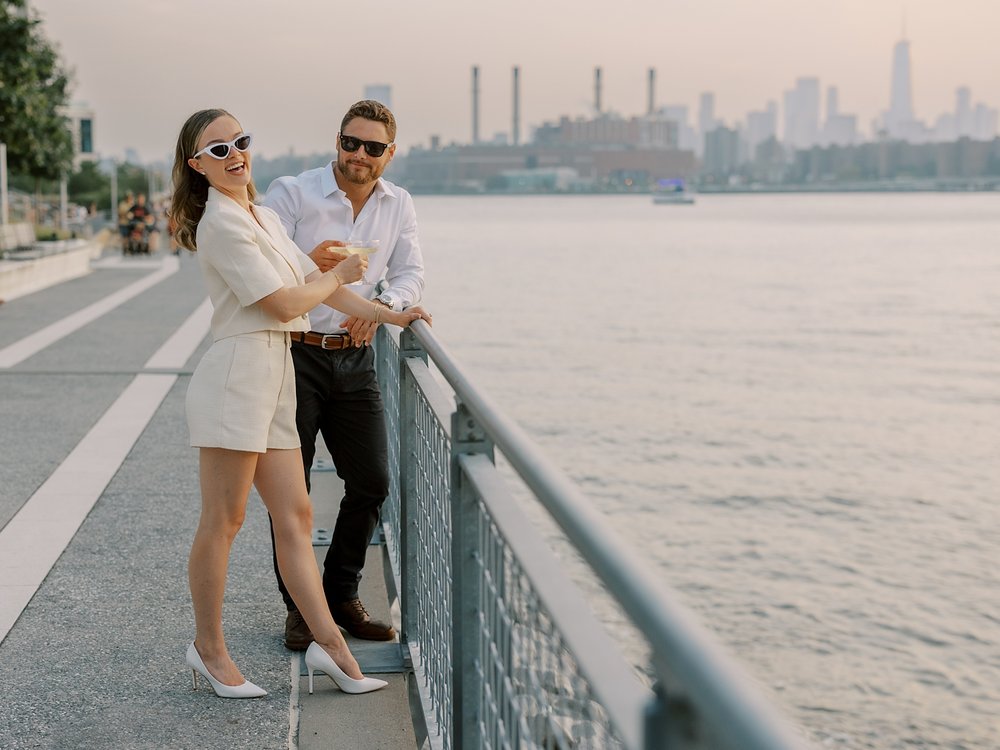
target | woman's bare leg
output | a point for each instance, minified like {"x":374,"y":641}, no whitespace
{"x":282,"y":487}
{"x":226,"y":477}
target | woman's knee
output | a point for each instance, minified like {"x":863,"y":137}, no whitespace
{"x":295,"y":517}
{"x":224,"y":522}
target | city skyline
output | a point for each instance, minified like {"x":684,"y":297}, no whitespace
{"x":292,"y":91}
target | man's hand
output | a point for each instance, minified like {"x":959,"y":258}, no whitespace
{"x":362,"y":331}
{"x":326,"y":256}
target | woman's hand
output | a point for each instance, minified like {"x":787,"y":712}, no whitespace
{"x":352,"y":268}
{"x":404,"y":318}
{"x":327,"y":254}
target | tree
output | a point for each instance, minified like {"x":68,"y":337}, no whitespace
{"x":34,"y":88}
{"x":88,"y":185}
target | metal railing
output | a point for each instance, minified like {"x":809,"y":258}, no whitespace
{"x":505,"y":650}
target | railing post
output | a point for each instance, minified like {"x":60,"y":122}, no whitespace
{"x":409,"y":552}
{"x":670,"y":722}
{"x":467,"y":436}
{"x":4,"y":210}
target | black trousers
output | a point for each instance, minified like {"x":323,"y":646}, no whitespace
{"x":338,"y":396}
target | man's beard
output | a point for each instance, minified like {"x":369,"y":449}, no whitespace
{"x":367,"y":175}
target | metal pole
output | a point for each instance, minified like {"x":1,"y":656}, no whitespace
{"x":4,"y":206}
{"x":466,"y":562}
{"x":63,"y":204}
{"x":515,"y":127}
{"x":113,"y":213}
{"x":410,"y":552}
{"x":651,"y":92}
{"x":475,"y":104}
{"x":597,"y":91}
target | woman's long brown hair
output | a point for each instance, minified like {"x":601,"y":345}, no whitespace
{"x":191,"y":187}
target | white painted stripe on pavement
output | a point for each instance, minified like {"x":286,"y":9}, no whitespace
{"x":20,"y":350}
{"x":293,"y":704}
{"x":117,"y":261}
{"x":181,"y":345}
{"x":33,"y":540}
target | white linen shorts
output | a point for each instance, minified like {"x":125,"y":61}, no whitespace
{"x":242,"y":394}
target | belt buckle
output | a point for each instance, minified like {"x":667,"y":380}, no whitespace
{"x":334,"y":336}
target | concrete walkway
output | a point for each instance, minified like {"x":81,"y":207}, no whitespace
{"x":98,"y":504}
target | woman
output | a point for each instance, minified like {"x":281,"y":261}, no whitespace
{"x":241,"y":400}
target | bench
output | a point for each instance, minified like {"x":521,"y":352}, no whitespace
{"x":14,"y":237}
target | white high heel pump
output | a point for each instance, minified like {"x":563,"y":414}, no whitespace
{"x":317,"y":659}
{"x":244,"y":690}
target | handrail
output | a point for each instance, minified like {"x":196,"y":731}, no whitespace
{"x":689,"y":665}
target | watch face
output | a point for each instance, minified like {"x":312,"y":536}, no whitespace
{"x":387,"y":301}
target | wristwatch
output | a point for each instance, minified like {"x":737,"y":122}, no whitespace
{"x":386,"y":300}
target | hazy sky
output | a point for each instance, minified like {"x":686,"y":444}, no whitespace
{"x":289,"y":69}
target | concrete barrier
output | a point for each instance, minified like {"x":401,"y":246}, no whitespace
{"x":46,"y":264}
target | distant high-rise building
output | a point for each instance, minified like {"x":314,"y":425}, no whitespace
{"x":984,"y":123}
{"x":81,"y":121}
{"x":969,"y":120}
{"x":963,"y":111}
{"x":901,"y":96}
{"x":706,"y":118}
{"x":761,"y":126}
{"x":832,"y":102}
{"x":838,"y":129}
{"x":687,"y":139}
{"x":722,"y":151}
{"x":380,"y":92}
{"x":899,"y":121}
{"x":802,"y":114}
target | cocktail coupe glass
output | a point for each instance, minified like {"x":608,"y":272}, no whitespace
{"x":362,"y":247}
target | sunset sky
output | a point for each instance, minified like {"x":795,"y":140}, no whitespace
{"x":289,"y":69}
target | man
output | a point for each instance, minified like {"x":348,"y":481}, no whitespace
{"x":336,"y":388}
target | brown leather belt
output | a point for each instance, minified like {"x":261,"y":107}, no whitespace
{"x":323,"y":340}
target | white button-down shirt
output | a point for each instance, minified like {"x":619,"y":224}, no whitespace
{"x":313,"y":209}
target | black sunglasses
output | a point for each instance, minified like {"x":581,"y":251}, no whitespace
{"x":372,"y":148}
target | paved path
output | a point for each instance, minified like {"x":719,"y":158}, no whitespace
{"x":98,"y":504}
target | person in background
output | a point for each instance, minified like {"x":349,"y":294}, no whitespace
{"x":124,"y":207}
{"x":334,"y":365}
{"x":241,"y":399}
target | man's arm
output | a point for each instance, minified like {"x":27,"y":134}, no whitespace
{"x":282,"y":198}
{"x":404,"y":275}
{"x":405,"y":270}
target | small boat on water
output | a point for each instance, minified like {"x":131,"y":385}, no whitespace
{"x":672,"y":192}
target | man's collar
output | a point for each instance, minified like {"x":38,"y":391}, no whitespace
{"x":330,"y":186}
{"x":327,"y":180}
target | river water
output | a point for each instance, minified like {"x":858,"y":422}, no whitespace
{"x":788,"y":404}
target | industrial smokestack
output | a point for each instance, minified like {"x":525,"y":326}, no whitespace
{"x":475,"y":104}
{"x":515,"y":129}
{"x":651,"y":104}
{"x":597,"y":90}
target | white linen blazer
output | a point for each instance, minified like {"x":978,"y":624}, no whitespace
{"x":243,"y":262}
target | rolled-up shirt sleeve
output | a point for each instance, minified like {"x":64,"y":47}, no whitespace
{"x":405,"y":270}
{"x":231,"y":249}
